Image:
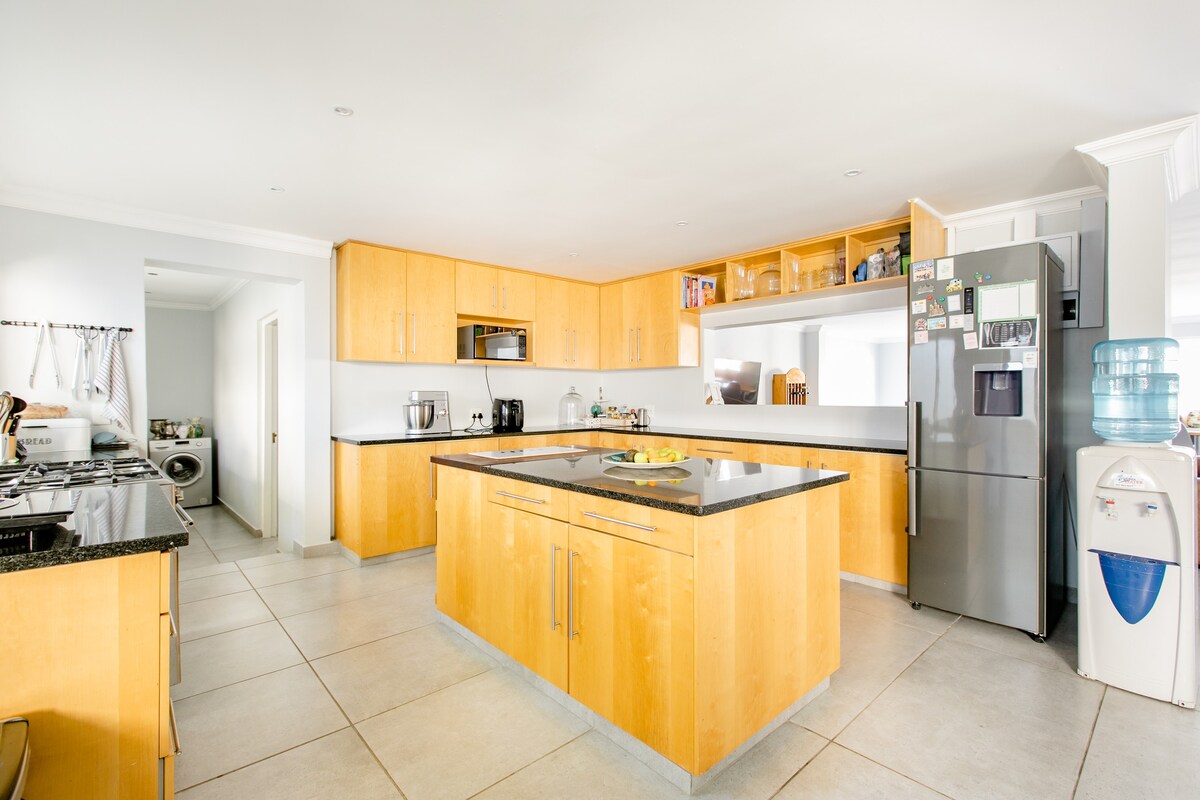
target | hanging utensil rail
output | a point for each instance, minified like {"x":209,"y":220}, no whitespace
{"x":71,"y":326}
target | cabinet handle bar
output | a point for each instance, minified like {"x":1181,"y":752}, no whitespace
{"x":647,"y":528}
{"x":519,"y":497}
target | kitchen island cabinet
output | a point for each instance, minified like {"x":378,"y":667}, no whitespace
{"x":690,"y":615}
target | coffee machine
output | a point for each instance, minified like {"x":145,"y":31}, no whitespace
{"x":508,"y":415}
{"x":427,"y":413}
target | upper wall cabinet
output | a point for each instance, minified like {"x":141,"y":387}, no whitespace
{"x":568,"y":324}
{"x":641,"y":325}
{"x":394,"y":306}
{"x":494,"y":293}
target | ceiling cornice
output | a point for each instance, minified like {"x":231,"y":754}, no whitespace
{"x":178,"y":306}
{"x":85,"y":208}
{"x":1177,"y":142}
{"x":1045,"y":204}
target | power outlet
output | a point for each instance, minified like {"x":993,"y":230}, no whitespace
{"x":475,"y":411}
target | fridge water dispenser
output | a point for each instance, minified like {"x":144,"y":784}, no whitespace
{"x":1137,"y":570}
{"x":998,"y":390}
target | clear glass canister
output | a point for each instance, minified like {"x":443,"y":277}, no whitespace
{"x":570,"y":408}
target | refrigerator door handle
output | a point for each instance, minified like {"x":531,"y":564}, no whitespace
{"x":912,"y":502}
{"x":914,"y":409}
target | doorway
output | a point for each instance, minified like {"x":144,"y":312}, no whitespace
{"x":269,"y":424}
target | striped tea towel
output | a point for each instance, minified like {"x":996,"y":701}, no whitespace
{"x":111,"y":380}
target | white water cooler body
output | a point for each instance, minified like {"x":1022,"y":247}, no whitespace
{"x":1137,"y":569}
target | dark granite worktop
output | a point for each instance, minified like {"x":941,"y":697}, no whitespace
{"x":699,"y":486}
{"x":105,"y":522}
{"x":888,"y":446}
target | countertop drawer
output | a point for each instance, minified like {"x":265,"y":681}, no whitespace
{"x":544,"y":501}
{"x":652,"y":526}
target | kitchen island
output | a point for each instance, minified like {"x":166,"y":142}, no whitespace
{"x":87,"y":640}
{"x":688,"y":610}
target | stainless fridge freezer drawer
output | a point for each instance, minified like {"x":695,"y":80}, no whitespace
{"x":977,"y":546}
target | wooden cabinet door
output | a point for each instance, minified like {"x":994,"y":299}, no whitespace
{"x":371,"y":291}
{"x":656,"y":325}
{"x":874,"y":508}
{"x":475,"y":289}
{"x":459,"y":557}
{"x":783,"y":455}
{"x":631,"y":638}
{"x":384,"y":497}
{"x":432,"y":323}
{"x":584,"y":303}
{"x":524,"y":606}
{"x":553,"y":321}
{"x":517,"y":294}
{"x":614,"y":350}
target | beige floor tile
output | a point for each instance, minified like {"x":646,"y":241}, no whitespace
{"x":219,"y":614}
{"x":375,"y":677}
{"x":223,"y":537}
{"x":768,"y":766}
{"x":216,"y":568}
{"x":264,"y":560}
{"x":335,"y":766}
{"x":226,"y":658}
{"x":295,"y":569}
{"x":894,"y":607}
{"x":874,"y":651}
{"x":1142,"y":748}
{"x":971,"y":723}
{"x":838,"y":774}
{"x":296,"y":597}
{"x":456,"y":742}
{"x":196,"y":556}
{"x":1060,"y":651}
{"x":195,"y":589}
{"x":588,"y":768}
{"x":237,"y":725}
{"x":262,"y":547}
{"x":329,"y":630}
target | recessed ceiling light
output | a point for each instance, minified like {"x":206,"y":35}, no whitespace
{"x":572,"y":255}
{"x":682,"y":223}
{"x":343,"y":111}
{"x":277,"y":189}
{"x":852,"y":173}
{"x":155,"y":274}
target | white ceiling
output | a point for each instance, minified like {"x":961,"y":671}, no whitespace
{"x":518,"y":133}
{"x":171,"y":288}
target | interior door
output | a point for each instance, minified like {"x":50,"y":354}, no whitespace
{"x":432,"y":336}
{"x":977,"y":547}
{"x":631,"y":642}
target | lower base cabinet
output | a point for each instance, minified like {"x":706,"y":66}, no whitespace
{"x":86,"y":660}
{"x":691,"y":638}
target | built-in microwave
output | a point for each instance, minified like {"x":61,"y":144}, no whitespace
{"x":491,"y":342}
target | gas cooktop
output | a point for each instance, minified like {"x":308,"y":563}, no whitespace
{"x":17,"y":479}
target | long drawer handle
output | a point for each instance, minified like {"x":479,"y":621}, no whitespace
{"x":912,"y":502}
{"x":571,"y":630}
{"x":519,"y":497}
{"x":171,"y":619}
{"x":708,"y":450}
{"x":554,"y":623}
{"x":184,"y":517}
{"x":647,"y":528}
{"x":174,"y":727}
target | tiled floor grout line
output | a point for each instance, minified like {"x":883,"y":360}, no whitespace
{"x":1091,"y":735}
{"x":530,"y":764}
{"x":792,"y":777}
{"x":260,"y":760}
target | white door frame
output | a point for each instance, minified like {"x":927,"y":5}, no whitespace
{"x":268,"y":422}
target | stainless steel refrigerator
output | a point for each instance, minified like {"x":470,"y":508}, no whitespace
{"x":985,"y":460}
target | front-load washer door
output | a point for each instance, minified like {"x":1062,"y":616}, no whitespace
{"x":183,"y":468}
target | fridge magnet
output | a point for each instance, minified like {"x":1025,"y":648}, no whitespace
{"x":921,"y":337}
{"x":954,"y":303}
{"x":980,"y":277}
{"x":1029,"y":359}
{"x":957,"y":321}
{"x":970,"y":340}
{"x":918,"y":306}
{"x":937,"y":323}
{"x":954,"y":285}
{"x":945,"y":269}
{"x":921,"y":324}
{"x":924,"y":289}
{"x":922,"y":271}
{"x":935,"y":308}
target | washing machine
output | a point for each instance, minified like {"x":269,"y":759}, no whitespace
{"x":189,"y":464}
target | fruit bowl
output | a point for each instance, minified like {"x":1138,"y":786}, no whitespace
{"x":634,"y":465}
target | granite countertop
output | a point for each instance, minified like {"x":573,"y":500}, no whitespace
{"x":699,"y":486}
{"x":888,"y":446}
{"x":105,"y":521}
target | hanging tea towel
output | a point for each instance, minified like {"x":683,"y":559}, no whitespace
{"x":111,"y":381}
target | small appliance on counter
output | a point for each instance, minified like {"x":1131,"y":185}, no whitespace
{"x":508,"y":415}
{"x":427,"y":413}
{"x":41,"y":436}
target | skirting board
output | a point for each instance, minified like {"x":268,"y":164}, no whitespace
{"x":660,"y":764}
{"x":875,"y":583}
{"x":354,"y":558}
{"x":240,"y":519}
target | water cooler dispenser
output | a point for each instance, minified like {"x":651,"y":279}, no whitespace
{"x":1137,"y":545}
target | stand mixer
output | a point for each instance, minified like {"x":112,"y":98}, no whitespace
{"x":427,"y":413}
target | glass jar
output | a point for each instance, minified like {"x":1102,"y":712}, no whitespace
{"x":768,"y":282}
{"x":570,"y":408}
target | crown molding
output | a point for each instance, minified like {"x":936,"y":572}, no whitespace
{"x":178,"y":306}
{"x":1045,"y":204}
{"x":233,"y":289}
{"x":918,"y":201}
{"x":1177,"y":142}
{"x":86,"y":208}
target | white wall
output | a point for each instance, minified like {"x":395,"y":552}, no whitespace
{"x":179,"y":365}
{"x":73,"y":270}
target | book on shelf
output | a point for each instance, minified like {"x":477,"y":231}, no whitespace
{"x":697,"y":290}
